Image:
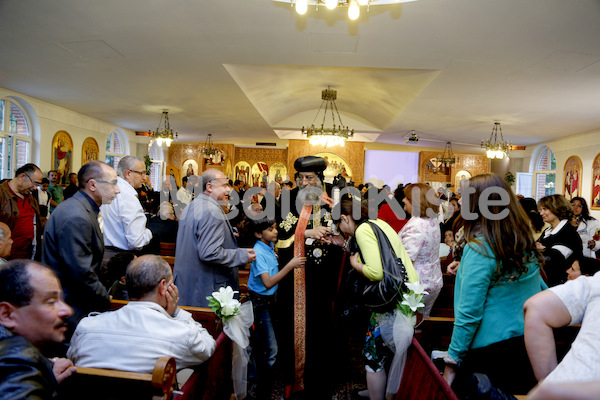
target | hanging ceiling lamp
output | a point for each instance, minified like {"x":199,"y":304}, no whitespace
{"x":209,"y":149}
{"x":164,"y":133}
{"x":447,"y":158}
{"x":354,"y":6}
{"x":337,"y":134}
{"x":494,"y":147}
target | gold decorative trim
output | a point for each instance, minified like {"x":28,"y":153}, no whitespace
{"x":284,"y":244}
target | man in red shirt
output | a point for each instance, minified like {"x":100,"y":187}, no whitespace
{"x":20,"y":211}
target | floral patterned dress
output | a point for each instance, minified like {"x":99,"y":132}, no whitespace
{"x":421,"y":238}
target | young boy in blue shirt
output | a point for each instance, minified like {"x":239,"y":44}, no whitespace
{"x":262,"y":284}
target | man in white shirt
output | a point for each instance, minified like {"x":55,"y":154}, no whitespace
{"x":577,"y":376}
{"x":117,"y":339}
{"x":124,"y":221}
{"x":183,"y":194}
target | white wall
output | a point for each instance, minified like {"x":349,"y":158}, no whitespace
{"x":47,"y":119}
{"x":585,"y":146}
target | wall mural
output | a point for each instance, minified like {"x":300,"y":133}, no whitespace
{"x":260,"y":171}
{"x":242,"y":172}
{"x":572,"y":178}
{"x":434,"y":166}
{"x":190,"y":167}
{"x":335,"y":165}
{"x":62,"y":156}
{"x":595,"y":203}
{"x":278,"y":173}
{"x":460,"y":179}
{"x":218,"y":158}
{"x":89,"y":150}
{"x":174,"y":171}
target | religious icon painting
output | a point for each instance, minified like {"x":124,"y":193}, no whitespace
{"x":190,"y":167}
{"x":173,"y":171}
{"x":89,"y":150}
{"x":572,"y":178}
{"x":595,"y":203}
{"x":62,"y":156}
{"x":242,"y":172}
{"x":336,"y":165}
{"x":278,"y":173}
{"x":460,"y":179}
{"x":260,"y":172}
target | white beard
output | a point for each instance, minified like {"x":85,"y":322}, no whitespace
{"x":309,"y":193}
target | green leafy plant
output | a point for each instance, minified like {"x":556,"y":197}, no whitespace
{"x":148,"y":163}
{"x":509,"y":178}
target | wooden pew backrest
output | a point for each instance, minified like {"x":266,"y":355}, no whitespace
{"x":421,"y":379}
{"x":108,"y":384}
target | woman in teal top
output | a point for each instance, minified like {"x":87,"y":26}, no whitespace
{"x":498,"y":272}
{"x":368,"y":264}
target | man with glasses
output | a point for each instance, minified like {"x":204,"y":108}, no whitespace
{"x":74,"y":244}
{"x":124,"y":219}
{"x":305,"y":298}
{"x":20,"y":211}
{"x":207,"y":256}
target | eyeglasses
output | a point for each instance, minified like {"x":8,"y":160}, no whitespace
{"x":142,"y":173}
{"x":35,"y":184}
{"x":113,"y":182}
{"x":219,"y":179}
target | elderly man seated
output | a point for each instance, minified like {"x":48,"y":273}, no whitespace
{"x":577,"y":376}
{"x":32,"y":317}
{"x":148,"y":327}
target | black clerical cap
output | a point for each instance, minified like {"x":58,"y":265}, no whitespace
{"x":310,"y":164}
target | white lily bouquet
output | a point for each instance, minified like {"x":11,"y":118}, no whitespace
{"x":398,"y":331}
{"x":237,"y":319}
{"x":412,"y":301}
{"x":223,"y":303}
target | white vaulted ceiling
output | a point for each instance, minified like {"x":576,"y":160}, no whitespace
{"x":253,"y":70}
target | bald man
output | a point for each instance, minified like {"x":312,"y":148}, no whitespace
{"x":207,"y":256}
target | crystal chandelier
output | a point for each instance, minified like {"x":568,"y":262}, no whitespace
{"x":164,"y":133}
{"x":447,"y":158}
{"x":328,"y":137}
{"x":354,"y":6}
{"x":494,"y":147}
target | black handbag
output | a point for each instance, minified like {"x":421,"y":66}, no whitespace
{"x":383,"y":296}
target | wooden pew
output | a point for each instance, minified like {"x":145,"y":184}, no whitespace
{"x":421,"y":379}
{"x":167,"y":249}
{"x":210,"y":380}
{"x":106,"y":384}
{"x":170,"y":260}
{"x":444,"y":304}
{"x":244,"y":274}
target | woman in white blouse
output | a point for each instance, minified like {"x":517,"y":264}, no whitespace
{"x":586,"y":226}
{"x":421,"y":238}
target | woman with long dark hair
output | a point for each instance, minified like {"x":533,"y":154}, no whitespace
{"x":499,"y":271}
{"x":586,"y":225}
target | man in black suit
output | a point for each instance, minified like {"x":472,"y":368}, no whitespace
{"x":74,"y":244}
{"x":72,"y":188}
